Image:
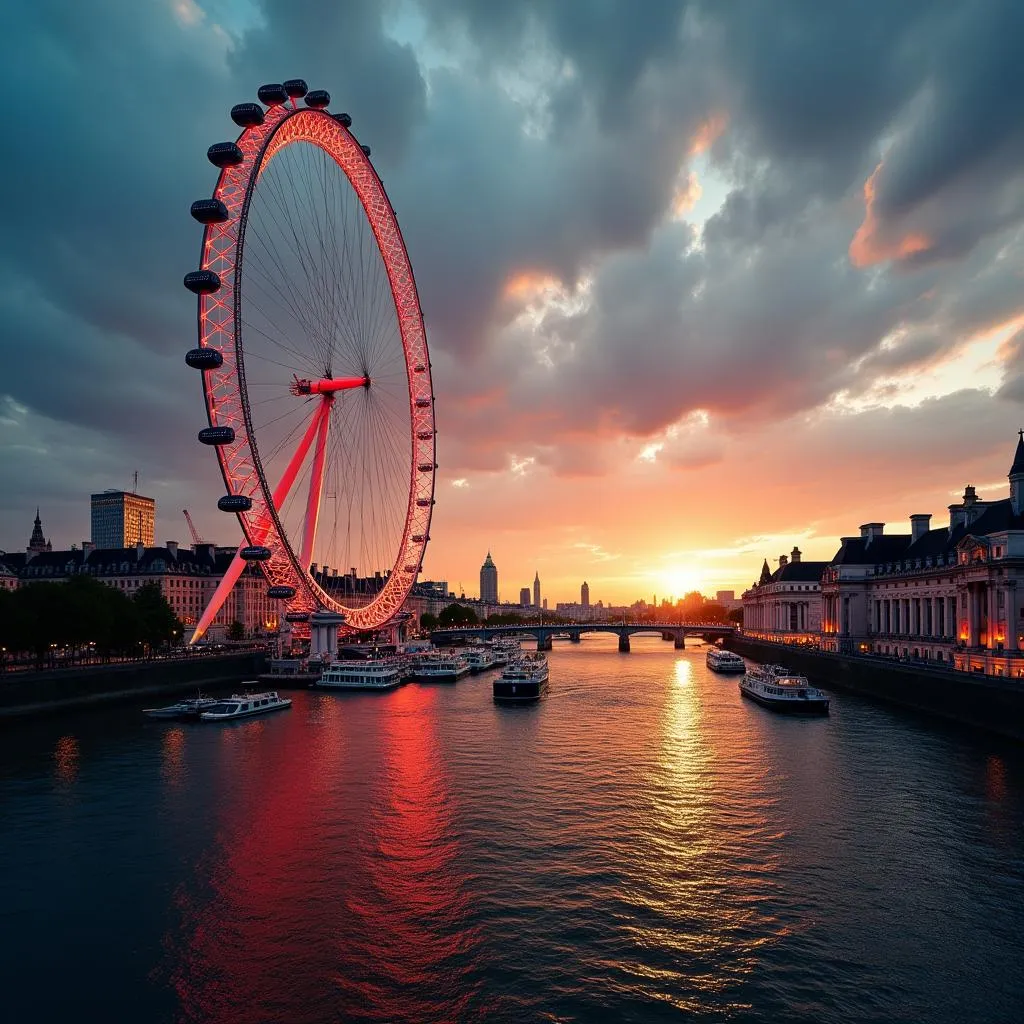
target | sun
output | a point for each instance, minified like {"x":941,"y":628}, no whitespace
{"x":679,"y":580}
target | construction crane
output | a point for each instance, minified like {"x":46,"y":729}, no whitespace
{"x":192,"y":528}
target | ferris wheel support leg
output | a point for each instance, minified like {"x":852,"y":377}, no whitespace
{"x":230,"y":578}
{"x":316,"y":483}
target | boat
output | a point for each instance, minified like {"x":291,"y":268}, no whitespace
{"x":245,"y":705}
{"x":524,"y":680}
{"x":719,"y":660}
{"x":504,"y":649}
{"x":479,"y":659}
{"x":191,"y":708}
{"x":363,"y":674}
{"x":440,"y":668}
{"x":775,"y":687}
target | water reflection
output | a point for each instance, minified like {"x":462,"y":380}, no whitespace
{"x":65,"y":760}
{"x":172,"y":762}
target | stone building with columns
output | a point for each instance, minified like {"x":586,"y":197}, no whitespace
{"x":953,"y":595}
{"x":785,"y":605}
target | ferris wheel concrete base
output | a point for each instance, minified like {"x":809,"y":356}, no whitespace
{"x":323,"y":634}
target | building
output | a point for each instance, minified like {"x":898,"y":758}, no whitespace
{"x":121,"y":519}
{"x":727,"y":599}
{"x":585,"y":596}
{"x":536,"y":590}
{"x":187,"y":578}
{"x":524,"y":597}
{"x":37,"y":542}
{"x":785,"y":605}
{"x":488,"y":581}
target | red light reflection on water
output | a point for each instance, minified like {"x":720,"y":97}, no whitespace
{"x":65,"y":760}
{"x":332,"y":891}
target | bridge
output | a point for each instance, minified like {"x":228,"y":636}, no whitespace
{"x":675,"y":631}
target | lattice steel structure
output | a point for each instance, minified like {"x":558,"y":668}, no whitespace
{"x":305,"y":278}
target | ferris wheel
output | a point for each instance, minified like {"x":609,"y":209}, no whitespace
{"x":314,"y":363}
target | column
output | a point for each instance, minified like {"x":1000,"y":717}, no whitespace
{"x":973,"y":615}
{"x":1011,"y":615}
{"x":935,"y":617}
{"x":951,"y":623}
{"x":993,"y":625}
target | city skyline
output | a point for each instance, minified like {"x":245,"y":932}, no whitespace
{"x":771,"y":297}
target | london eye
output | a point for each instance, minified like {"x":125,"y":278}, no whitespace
{"x":314,"y":364}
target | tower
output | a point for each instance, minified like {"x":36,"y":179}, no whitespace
{"x":1016,"y":475}
{"x":585,"y":596}
{"x":536,"y":590}
{"x":489,"y":581}
{"x":37,"y":542}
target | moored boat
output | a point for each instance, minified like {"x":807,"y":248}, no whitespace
{"x":719,"y":660}
{"x":479,"y":658}
{"x":505,"y":649}
{"x":437,"y":667}
{"x":191,"y":708}
{"x":524,"y":680}
{"x":775,"y":687}
{"x":359,"y":674}
{"x":245,"y":705}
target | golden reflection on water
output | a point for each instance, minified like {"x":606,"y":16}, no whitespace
{"x":65,"y":760}
{"x":172,"y":761}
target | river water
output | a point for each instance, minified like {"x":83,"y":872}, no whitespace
{"x":642,"y":846}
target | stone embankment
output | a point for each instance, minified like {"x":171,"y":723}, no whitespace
{"x":33,"y":693}
{"x":984,"y":702}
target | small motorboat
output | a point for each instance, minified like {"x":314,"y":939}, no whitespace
{"x":191,"y":708}
{"x":245,"y":705}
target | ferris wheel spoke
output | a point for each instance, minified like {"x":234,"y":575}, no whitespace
{"x":316,"y":484}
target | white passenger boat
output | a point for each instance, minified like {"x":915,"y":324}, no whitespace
{"x":524,"y":680}
{"x":777,"y":688}
{"x":719,"y":660}
{"x":376,"y":674}
{"x":440,"y":668}
{"x":505,"y":649}
{"x":479,"y":658}
{"x":245,"y":705}
{"x":191,"y":708}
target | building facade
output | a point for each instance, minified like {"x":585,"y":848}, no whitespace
{"x":952,"y":595}
{"x":187,"y":578}
{"x":121,"y":519}
{"x":585,"y":595}
{"x":489,"y":581}
{"x":785,"y":605}
{"x":524,"y":597}
{"x":536,"y":590}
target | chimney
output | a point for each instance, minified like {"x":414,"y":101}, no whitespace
{"x":870,"y":532}
{"x":919,"y":525}
{"x":172,"y":547}
{"x":794,"y":555}
{"x":87,"y":548}
{"x":783,"y":561}
{"x":140,"y":551}
{"x":970,"y":495}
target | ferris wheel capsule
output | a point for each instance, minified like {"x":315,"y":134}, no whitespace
{"x":321,"y":408}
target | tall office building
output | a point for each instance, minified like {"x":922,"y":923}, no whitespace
{"x":489,"y":581}
{"x":121,"y":519}
{"x":524,"y":597}
{"x":585,"y":595}
{"x":536,"y":590}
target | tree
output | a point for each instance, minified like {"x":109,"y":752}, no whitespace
{"x":714,"y":612}
{"x":736,"y":615}
{"x":428,"y":621}
{"x":236,"y":631}
{"x":457,"y":615}
{"x":159,"y":625}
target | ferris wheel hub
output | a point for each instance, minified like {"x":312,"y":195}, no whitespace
{"x":301,"y":386}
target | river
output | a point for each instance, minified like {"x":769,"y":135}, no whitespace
{"x":642,"y":846}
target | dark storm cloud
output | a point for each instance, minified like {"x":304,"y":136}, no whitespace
{"x":525,"y":145}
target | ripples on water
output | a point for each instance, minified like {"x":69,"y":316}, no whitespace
{"x":642,"y":846}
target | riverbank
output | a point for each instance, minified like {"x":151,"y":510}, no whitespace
{"x":984,"y":702}
{"x":40,"y":693}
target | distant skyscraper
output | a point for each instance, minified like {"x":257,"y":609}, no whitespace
{"x":536,"y":590}
{"x":524,"y":597}
{"x":489,"y":581}
{"x":121,"y":519}
{"x":37,"y":542}
{"x":585,"y":595}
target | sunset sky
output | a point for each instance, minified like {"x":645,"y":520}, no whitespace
{"x":701,"y":280}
